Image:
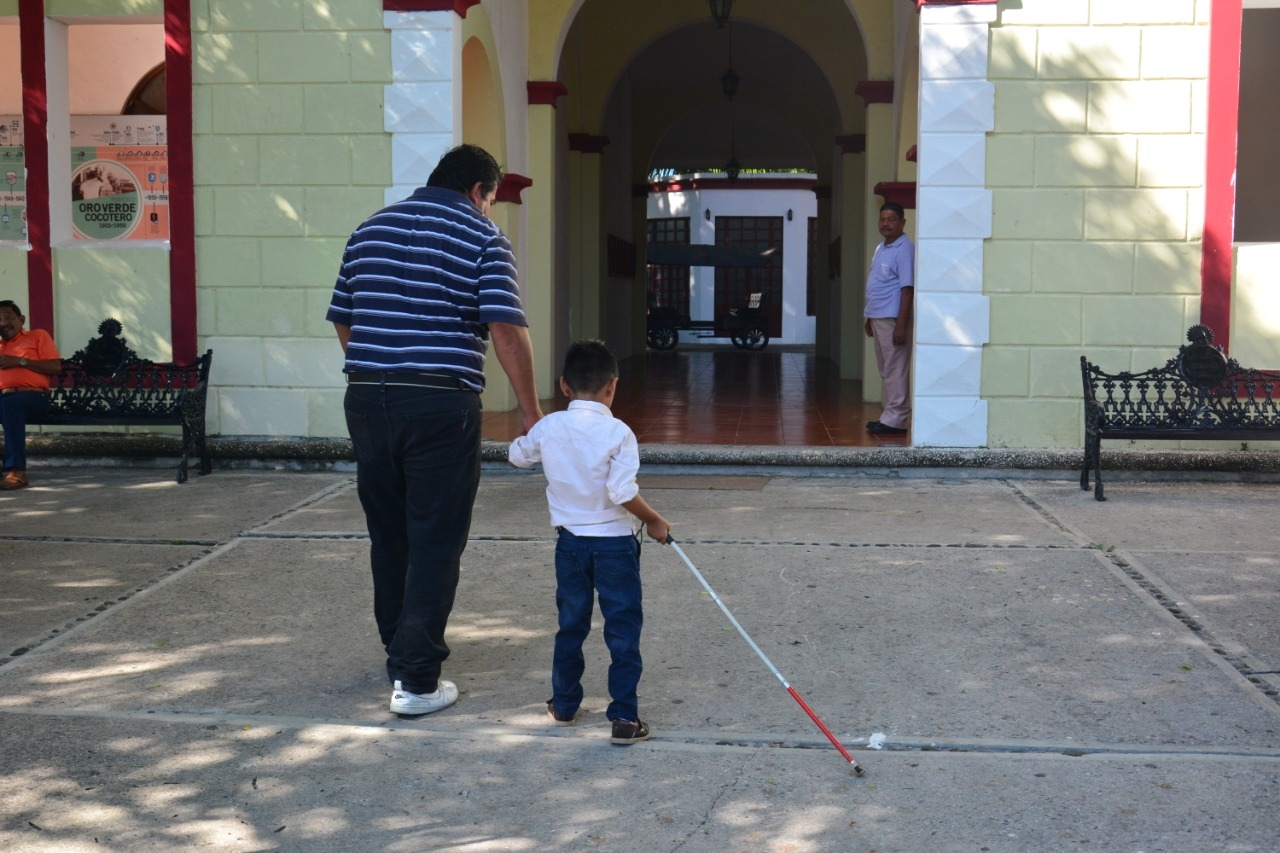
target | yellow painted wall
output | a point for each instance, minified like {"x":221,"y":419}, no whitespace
{"x":290,"y":156}
{"x":1096,"y":169}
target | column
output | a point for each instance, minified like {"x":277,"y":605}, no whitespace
{"x":538,"y":283}
{"x":587,"y":269}
{"x":957,"y":109}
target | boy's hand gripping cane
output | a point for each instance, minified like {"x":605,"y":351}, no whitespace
{"x":857,"y":769}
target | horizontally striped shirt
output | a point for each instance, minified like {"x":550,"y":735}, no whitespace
{"x":419,"y":284}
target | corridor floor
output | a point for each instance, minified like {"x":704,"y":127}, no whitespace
{"x":732,"y":397}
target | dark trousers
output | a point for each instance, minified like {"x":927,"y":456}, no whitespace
{"x":417,"y":470}
{"x":610,"y":566}
{"x":15,"y":410}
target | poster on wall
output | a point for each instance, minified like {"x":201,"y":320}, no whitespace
{"x":119,"y":178}
{"x":13,"y":192}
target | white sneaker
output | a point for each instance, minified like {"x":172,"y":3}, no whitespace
{"x":404,"y":702}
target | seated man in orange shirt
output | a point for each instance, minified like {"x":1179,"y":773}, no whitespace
{"x":27,"y":360}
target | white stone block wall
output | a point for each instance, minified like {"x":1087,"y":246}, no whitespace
{"x":954,"y":208}
{"x":421,"y":102}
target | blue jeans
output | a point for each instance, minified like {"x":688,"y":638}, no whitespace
{"x":15,"y":410}
{"x":417,"y":470}
{"x":609,"y":565}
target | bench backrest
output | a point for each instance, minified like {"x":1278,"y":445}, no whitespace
{"x":137,"y":389}
{"x":1200,"y":387}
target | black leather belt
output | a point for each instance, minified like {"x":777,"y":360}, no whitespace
{"x":417,"y":380}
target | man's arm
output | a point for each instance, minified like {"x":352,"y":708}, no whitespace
{"x":344,"y":334}
{"x":47,"y":366}
{"x":514,"y":349}
{"x":905,"y":305}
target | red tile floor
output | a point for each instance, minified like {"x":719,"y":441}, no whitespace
{"x":732,"y":397}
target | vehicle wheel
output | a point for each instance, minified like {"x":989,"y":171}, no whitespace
{"x":755,"y":338}
{"x":738,"y":342}
{"x":663,"y":338}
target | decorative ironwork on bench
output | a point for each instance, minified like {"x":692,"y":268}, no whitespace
{"x":1200,"y":393}
{"x":106,"y":383}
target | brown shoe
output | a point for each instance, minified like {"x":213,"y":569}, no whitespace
{"x":627,"y":732}
{"x":558,"y":719}
{"x":14,"y":480}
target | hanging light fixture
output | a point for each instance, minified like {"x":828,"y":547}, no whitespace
{"x":729,"y":83}
{"x":733,"y":168}
{"x":720,"y":11}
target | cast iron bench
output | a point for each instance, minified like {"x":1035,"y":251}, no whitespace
{"x":1199,"y":394}
{"x":106,"y":384}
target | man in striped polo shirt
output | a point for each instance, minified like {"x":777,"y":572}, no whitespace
{"x":423,"y":285}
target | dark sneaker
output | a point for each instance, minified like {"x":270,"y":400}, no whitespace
{"x":627,"y":732}
{"x":558,"y":719}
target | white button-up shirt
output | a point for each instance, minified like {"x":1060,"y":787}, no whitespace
{"x":590,"y":459}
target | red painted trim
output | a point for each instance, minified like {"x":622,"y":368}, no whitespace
{"x":586,"y":143}
{"x":875,"y":91}
{"x":912,"y":153}
{"x":1225,"y":22}
{"x":689,"y":185}
{"x":903,"y":192}
{"x":852,"y":143}
{"x":459,"y":6}
{"x":35,"y":126}
{"x":182,"y":194}
{"x":511,"y":187}
{"x":545,"y":92}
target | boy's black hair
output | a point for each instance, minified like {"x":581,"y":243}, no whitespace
{"x":463,"y":167}
{"x":588,"y":367}
{"x":9,"y":303}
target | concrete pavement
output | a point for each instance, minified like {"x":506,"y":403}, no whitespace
{"x":196,"y":666}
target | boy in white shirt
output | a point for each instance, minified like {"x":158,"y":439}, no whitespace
{"x":590,"y":459}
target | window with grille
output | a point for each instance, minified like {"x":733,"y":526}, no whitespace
{"x":734,"y":285}
{"x":669,"y":286}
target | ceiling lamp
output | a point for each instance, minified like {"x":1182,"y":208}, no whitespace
{"x":729,"y":83}
{"x":720,"y":11}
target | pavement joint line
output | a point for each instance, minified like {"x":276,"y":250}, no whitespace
{"x":1165,"y":597}
{"x":1152,"y":587}
{"x":1040,"y":510}
{"x":24,"y":649}
{"x":667,"y":739}
{"x":324,"y":494}
{"x":110,"y":540}
{"x":753,"y":543}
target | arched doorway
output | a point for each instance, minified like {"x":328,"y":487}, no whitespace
{"x":645,"y":92}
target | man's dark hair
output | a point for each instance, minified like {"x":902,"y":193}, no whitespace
{"x":465,"y":166}
{"x":896,"y":208}
{"x":9,"y":303}
{"x":588,"y":367}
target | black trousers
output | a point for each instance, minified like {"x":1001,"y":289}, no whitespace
{"x":417,"y":471}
